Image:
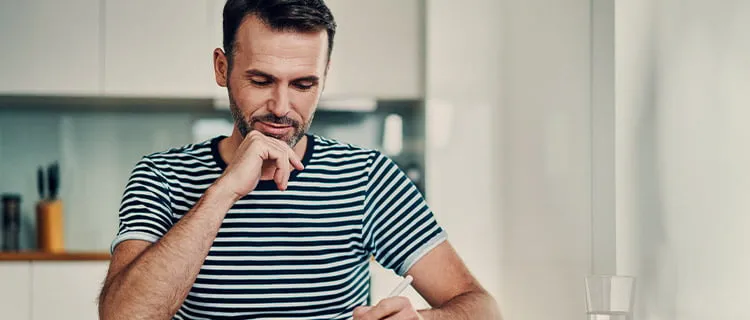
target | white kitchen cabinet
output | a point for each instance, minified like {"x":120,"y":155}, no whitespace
{"x":50,"y":47}
{"x":15,"y":294}
{"x":66,"y":290}
{"x":157,"y":49}
{"x":377,"y":51}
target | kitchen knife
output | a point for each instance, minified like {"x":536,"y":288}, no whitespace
{"x":40,"y":182}
{"x":53,"y":177}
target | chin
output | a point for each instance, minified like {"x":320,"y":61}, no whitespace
{"x":286,"y":138}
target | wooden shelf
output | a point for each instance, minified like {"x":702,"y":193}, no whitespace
{"x":44,"y":256}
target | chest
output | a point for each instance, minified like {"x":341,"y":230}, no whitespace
{"x":264,"y":263}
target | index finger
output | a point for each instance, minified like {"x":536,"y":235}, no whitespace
{"x":294,"y":159}
{"x":360,"y":311}
{"x":387,"y":307}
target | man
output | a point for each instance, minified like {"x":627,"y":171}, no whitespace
{"x":272,"y":222}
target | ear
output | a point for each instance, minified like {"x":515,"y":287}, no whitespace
{"x":221,"y":67}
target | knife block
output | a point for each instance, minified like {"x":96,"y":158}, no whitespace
{"x":49,"y":226}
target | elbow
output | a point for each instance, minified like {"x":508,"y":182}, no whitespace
{"x":486,"y":303}
{"x":492,"y":307}
{"x":116,"y":304}
{"x":104,"y":306}
{"x":110,"y":304}
{"x":104,"y":313}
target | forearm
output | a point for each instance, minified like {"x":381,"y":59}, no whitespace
{"x":475,"y":305}
{"x":155,"y":284}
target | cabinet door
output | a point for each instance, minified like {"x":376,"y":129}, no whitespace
{"x":50,"y":47}
{"x":66,"y":290}
{"x":377,"y":49}
{"x":15,"y":296}
{"x":157,"y":49}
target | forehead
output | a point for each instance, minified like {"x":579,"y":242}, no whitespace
{"x":281,"y":53}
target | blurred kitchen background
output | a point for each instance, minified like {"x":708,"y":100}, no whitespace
{"x":552,"y":139}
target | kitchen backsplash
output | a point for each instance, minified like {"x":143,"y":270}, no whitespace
{"x":97,"y":150}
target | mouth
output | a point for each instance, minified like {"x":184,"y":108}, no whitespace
{"x":273,"y":128}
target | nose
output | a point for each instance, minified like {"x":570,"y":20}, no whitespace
{"x":280,"y":104}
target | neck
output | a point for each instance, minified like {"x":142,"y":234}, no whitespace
{"x":228,"y":148}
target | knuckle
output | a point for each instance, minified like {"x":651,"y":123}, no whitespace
{"x":255,"y":139}
{"x":363,"y":315}
{"x":401,"y":301}
{"x":387,"y":303}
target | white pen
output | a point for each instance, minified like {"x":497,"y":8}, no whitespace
{"x":401,"y":286}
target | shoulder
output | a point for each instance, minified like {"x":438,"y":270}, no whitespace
{"x":333,"y":154}
{"x":327,"y":149}
{"x":195,"y":151}
{"x":191,"y":157}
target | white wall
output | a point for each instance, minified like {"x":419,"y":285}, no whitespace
{"x":509,"y":157}
{"x":683,"y":170}
{"x":640,"y":237}
{"x":546,"y":169}
{"x":603,"y":218}
{"x":462,"y":90}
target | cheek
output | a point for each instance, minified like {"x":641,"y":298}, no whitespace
{"x":249,"y":99}
{"x":304,"y":104}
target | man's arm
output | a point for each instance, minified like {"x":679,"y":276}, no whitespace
{"x":148,"y":281}
{"x":456,"y":294}
{"x":446,"y":284}
{"x":398,"y":226}
{"x":151,"y":281}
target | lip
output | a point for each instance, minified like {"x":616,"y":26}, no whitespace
{"x":273,"y":129}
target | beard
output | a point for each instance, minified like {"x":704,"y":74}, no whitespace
{"x":245,"y":126}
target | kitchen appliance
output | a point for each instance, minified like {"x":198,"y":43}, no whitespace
{"x":11,"y":221}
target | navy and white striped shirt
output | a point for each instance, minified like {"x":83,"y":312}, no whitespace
{"x":298,"y":254}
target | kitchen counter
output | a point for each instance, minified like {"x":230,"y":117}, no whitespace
{"x":45,"y":256}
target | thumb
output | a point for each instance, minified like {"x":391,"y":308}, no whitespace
{"x":361,"y":310}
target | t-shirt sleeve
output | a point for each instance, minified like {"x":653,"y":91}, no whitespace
{"x":145,"y":212}
{"x":399,"y":227}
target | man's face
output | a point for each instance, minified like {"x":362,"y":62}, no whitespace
{"x":276,"y":80}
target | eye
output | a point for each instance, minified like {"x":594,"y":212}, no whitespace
{"x":304,"y":85}
{"x":260,"y":81}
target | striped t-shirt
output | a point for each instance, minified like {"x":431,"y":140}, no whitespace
{"x":302,"y":253}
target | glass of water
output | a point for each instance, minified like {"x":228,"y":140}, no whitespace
{"x":610,"y":297}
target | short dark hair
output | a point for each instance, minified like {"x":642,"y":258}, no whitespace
{"x":279,"y":15}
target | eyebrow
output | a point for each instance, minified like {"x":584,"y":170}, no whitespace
{"x":258,"y":73}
